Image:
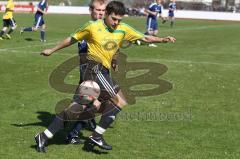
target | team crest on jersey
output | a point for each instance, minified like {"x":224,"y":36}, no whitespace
{"x":110,"y":45}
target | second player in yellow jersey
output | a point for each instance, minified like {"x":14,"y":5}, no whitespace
{"x":8,"y":21}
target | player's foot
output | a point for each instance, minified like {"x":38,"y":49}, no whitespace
{"x":164,"y":21}
{"x":74,"y":140}
{"x":41,"y":142}
{"x":21,"y":31}
{"x":152,"y":45}
{"x":8,"y":36}
{"x":1,"y":38}
{"x":100,"y":142}
{"x":43,"y":40}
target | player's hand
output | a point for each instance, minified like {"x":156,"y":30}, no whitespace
{"x":97,"y":104}
{"x":169,"y":39}
{"x":46,"y":52}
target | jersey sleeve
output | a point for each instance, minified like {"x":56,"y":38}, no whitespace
{"x":132,"y":34}
{"x":83,"y":33}
{"x":151,"y":7}
{"x":161,"y":9}
{"x":43,"y":5}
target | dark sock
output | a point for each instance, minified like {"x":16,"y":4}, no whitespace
{"x":28,"y":29}
{"x":77,"y":128}
{"x":107,"y":119}
{"x":10,"y":31}
{"x":56,"y":125}
{"x":172,"y":24}
{"x":1,"y":33}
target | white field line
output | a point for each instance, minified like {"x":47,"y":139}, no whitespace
{"x":184,"y":62}
{"x":29,"y":46}
{"x":200,"y":27}
{"x":146,"y":60}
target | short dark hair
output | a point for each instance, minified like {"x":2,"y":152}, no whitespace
{"x":115,"y":7}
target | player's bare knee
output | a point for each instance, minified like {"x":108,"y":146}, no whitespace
{"x":119,"y":100}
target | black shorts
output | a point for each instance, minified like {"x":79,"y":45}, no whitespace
{"x":97,"y":72}
{"x":9,"y":22}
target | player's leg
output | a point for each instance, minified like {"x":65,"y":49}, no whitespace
{"x":5,"y":27}
{"x":109,"y":90}
{"x":73,"y":136}
{"x":153,"y":26}
{"x":172,"y":21}
{"x":13,"y":26}
{"x":2,"y":32}
{"x":87,"y":119}
{"x":71,"y":113}
{"x":149,"y":26}
{"x":42,"y":33}
{"x":38,"y":20}
{"x":108,"y":117}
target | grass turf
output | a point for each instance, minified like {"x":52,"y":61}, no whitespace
{"x":197,"y":118}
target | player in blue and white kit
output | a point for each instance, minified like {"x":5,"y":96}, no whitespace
{"x":154,"y":10}
{"x":39,"y":21}
{"x":171,"y":8}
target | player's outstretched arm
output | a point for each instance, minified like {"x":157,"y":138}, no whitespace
{"x":65,"y":43}
{"x":154,"y":39}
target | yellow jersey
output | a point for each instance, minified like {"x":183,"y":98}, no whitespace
{"x":102,"y":42}
{"x":9,"y":10}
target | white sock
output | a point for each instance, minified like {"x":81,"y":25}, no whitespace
{"x":48,"y":133}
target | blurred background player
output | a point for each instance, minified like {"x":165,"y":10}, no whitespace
{"x":171,"y":8}
{"x":154,"y":10}
{"x":8,"y":21}
{"x":39,"y":22}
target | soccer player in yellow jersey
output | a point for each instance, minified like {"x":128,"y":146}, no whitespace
{"x":104,"y":38}
{"x":8,"y":21}
{"x":97,"y":11}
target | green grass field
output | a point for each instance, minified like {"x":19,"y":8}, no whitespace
{"x":197,"y":119}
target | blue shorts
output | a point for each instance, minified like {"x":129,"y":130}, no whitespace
{"x":171,"y":14}
{"x":38,"y":20}
{"x":152,"y":24}
{"x":9,"y":22}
